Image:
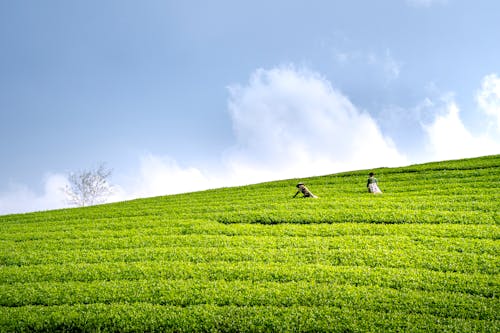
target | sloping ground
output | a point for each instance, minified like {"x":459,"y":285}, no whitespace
{"x":424,"y":256}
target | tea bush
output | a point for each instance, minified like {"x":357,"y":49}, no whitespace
{"x":423,"y":256}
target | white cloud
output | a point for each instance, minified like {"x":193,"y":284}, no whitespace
{"x":20,"y":198}
{"x":450,"y":139}
{"x":292,"y":123}
{"x":160,"y":175}
{"x":488,"y":97}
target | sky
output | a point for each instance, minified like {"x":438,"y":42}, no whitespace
{"x":182,"y":96}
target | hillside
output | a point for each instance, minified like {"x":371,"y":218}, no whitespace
{"x":423,"y":256}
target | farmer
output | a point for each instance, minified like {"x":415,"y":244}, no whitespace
{"x":305,"y":191}
{"x":371,"y":184}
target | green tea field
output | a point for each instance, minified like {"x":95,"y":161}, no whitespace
{"x":422,"y":257}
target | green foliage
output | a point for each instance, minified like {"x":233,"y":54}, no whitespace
{"x":424,"y":256}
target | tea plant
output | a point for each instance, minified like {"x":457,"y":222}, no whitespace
{"x":424,"y":256}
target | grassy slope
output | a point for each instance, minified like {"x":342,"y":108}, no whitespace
{"x":422,"y":256}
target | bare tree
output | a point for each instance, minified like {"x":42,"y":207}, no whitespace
{"x":88,"y":187}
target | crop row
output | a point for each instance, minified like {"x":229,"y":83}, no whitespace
{"x":274,"y":216}
{"x":455,"y":207}
{"x":427,"y":205}
{"x":302,"y":211}
{"x":119,"y":228}
{"x":397,"y":278}
{"x":360,"y":242}
{"x":251,"y":293}
{"x":443,"y":178}
{"x":375,"y":256}
{"x":207,"y":317}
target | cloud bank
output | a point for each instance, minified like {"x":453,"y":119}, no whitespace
{"x":20,"y":198}
{"x":448,"y":138}
{"x":447,"y":135}
{"x":291,"y":123}
{"x":488,"y":97}
{"x":161,"y":175}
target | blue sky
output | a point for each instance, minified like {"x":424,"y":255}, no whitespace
{"x":179,"y":96}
